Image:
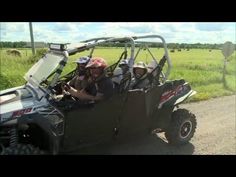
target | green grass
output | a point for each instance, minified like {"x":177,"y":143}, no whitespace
{"x":201,"y":68}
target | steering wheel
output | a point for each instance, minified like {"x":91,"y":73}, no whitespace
{"x":70,"y":97}
{"x":66,"y":88}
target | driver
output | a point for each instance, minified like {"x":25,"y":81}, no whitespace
{"x":80,"y":79}
{"x":140,"y":79}
{"x":102,"y":85}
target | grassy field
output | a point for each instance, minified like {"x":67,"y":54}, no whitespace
{"x":201,"y":68}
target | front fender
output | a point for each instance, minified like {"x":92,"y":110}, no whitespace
{"x":185,"y":97}
{"x":175,"y":94}
{"x":50,"y":126}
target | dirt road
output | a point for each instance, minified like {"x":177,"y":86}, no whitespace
{"x":215,"y":133}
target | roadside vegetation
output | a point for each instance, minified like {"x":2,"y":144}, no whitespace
{"x":202,"y":68}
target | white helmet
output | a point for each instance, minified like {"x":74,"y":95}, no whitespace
{"x":151,"y":66}
{"x":83,"y":60}
{"x":124,"y":62}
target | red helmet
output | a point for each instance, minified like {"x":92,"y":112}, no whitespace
{"x":97,"y":62}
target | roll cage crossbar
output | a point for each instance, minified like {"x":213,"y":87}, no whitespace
{"x":131,"y":41}
{"x":166,"y":55}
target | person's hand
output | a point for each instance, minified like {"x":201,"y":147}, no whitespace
{"x":58,"y":97}
{"x":72,"y":91}
{"x":83,"y":91}
{"x":67,"y":87}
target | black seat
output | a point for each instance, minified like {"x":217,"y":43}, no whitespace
{"x":124,"y":83}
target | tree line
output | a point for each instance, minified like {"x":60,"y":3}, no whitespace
{"x":7,"y":44}
{"x":22,"y":44}
{"x":176,"y":45}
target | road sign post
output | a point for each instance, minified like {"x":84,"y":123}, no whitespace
{"x":227,"y":51}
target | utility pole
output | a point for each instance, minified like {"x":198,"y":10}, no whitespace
{"x":32,"y":37}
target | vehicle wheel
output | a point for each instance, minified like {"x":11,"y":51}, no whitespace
{"x":182,"y":127}
{"x":22,"y":149}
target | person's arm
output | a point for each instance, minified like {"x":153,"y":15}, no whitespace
{"x":72,"y":81}
{"x":105,"y":89}
{"x":83,"y":95}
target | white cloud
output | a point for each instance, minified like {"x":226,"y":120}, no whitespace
{"x":213,"y":26}
{"x":16,"y":27}
{"x":74,"y":32}
{"x":65,"y":27}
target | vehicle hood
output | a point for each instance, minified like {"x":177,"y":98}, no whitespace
{"x":3,"y":92}
{"x":15,"y":109}
{"x":15,"y":102}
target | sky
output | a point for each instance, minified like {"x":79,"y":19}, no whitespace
{"x":74,"y":32}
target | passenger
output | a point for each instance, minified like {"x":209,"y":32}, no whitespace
{"x":102,"y":85}
{"x":152,"y":72}
{"x":124,"y":65}
{"x":121,"y":72}
{"x":140,"y":79}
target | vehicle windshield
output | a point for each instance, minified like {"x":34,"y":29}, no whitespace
{"x":43,"y":68}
